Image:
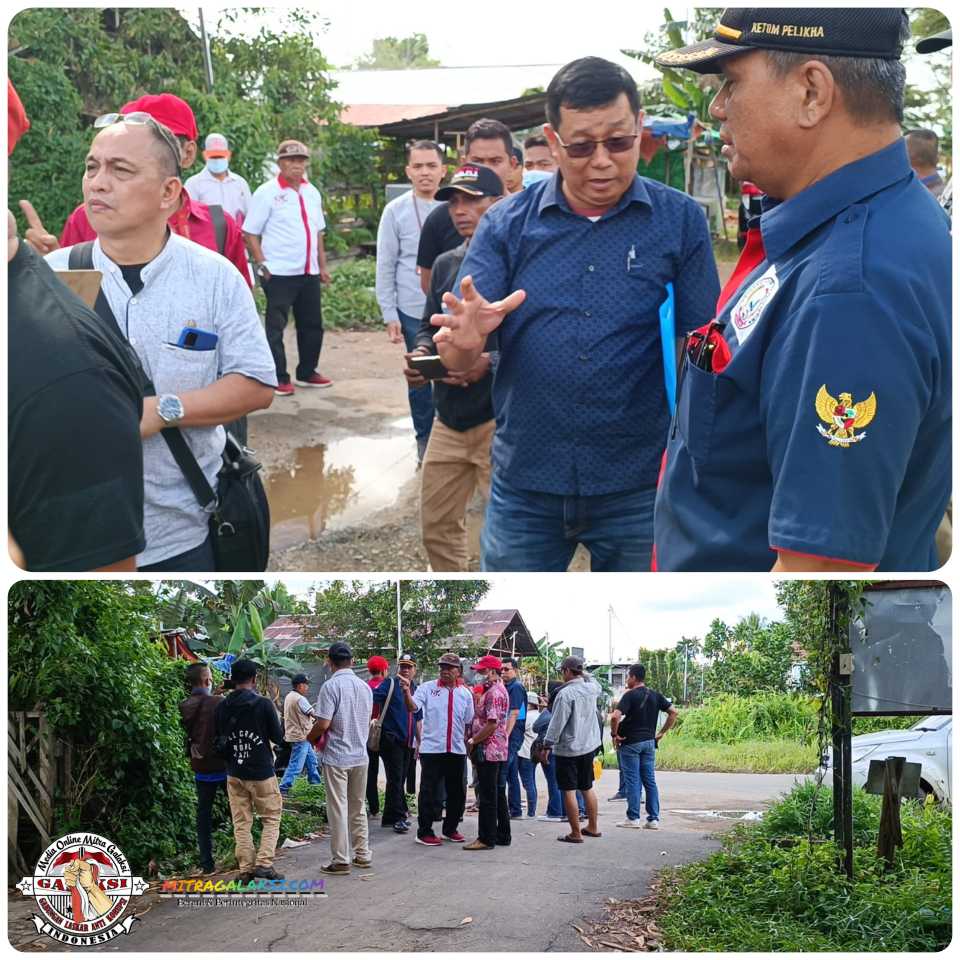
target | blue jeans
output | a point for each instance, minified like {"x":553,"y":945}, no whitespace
{"x":526,"y":530}
{"x":301,"y":753}
{"x":555,"y":794}
{"x":621,"y":783}
{"x":528,"y":775}
{"x":421,"y":398}
{"x":637,"y":763}
{"x":511,"y":775}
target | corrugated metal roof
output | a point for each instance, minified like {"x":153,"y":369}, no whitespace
{"x":376,"y":114}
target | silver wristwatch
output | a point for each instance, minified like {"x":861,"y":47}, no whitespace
{"x":170,"y":409}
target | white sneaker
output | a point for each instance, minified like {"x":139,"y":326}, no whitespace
{"x":553,"y":819}
{"x":631,"y":824}
{"x":651,"y":825}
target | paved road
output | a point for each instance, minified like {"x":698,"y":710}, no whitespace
{"x":521,"y":899}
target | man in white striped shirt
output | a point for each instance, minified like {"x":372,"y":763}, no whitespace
{"x":343,"y":710}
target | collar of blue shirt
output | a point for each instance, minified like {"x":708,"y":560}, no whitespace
{"x":784,"y":224}
{"x":553,"y":196}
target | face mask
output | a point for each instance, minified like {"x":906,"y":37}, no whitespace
{"x":218,"y":164}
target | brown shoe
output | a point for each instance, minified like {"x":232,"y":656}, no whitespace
{"x":335,"y":869}
{"x":476,"y":845}
{"x":365,"y":864}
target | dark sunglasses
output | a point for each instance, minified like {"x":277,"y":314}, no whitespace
{"x":586,"y":148}
{"x":139,"y":118}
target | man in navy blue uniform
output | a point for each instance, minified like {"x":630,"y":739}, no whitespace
{"x":813,"y":423}
{"x":579,"y":395}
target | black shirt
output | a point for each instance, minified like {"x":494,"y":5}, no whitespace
{"x":459,"y":408}
{"x":75,"y":454}
{"x":639,"y":709}
{"x":250,"y":723}
{"x":438,"y":235}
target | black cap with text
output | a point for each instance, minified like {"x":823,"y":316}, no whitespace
{"x":474,"y":180}
{"x":818,"y":31}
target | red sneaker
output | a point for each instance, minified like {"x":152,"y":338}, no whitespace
{"x":454,"y":837}
{"x":430,"y":841}
{"x":314,"y":380}
{"x":284,"y":390}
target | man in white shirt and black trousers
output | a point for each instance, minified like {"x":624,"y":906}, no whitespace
{"x":447,"y":712}
{"x":284,"y":233}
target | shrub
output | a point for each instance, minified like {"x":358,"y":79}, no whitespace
{"x":350,"y":301}
{"x":759,"y":894}
{"x":727,"y":718}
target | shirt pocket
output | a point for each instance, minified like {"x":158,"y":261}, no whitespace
{"x":179,"y":370}
{"x":697,"y":411}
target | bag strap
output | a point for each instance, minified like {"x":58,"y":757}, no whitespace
{"x":81,"y":258}
{"x":386,"y":703}
{"x":219,"y":226}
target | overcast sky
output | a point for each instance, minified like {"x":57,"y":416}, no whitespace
{"x":650,"y":611}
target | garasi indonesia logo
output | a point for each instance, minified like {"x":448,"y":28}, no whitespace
{"x":83,"y":887}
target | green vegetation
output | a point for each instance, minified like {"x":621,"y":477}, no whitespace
{"x":768,"y":889}
{"x":350,"y":302}
{"x":745,"y":756}
{"x":767,"y":716}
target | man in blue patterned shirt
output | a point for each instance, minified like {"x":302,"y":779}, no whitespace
{"x":579,"y":394}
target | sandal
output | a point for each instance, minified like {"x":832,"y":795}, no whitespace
{"x":568,"y":838}
{"x":587,"y":833}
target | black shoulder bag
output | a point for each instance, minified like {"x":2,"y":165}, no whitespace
{"x":239,"y":511}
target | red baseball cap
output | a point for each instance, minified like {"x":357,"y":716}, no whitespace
{"x":167,"y":109}
{"x":377,"y":664}
{"x":489,"y":662}
{"x":17,"y":122}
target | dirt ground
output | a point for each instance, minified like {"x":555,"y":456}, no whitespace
{"x":340,"y":464}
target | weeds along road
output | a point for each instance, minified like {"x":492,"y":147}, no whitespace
{"x":520,"y":898}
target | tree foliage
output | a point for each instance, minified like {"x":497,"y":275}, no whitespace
{"x":405,"y":53}
{"x":69,"y":66}
{"x":931,"y":107}
{"x":753,"y":656}
{"x":364,"y":615}
{"x":85,"y":653}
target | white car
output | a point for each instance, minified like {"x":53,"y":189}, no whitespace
{"x":928,"y":742}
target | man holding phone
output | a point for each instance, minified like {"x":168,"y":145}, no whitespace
{"x":457,"y":460}
{"x":186,"y":312}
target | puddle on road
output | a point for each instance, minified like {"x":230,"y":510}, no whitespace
{"x":339,"y":484}
{"x":746,"y":815}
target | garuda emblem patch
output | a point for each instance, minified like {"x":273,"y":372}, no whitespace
{"x":843,"y":417}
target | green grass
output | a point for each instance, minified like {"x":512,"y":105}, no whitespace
{"x":747,"y":756}
{"x":769,"y":890}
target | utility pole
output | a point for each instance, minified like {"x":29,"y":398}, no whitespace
{"x":610,"y":644}
{"x":686,"y":660}
{"x":207,"y":61}
{"x":399,"y":631}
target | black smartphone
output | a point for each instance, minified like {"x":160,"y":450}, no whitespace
{"x":430,"y":368}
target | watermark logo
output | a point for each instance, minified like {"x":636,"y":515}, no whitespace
{"x":83,"y":886}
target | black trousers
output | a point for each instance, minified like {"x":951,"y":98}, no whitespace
{"x":373,"y":772}
{"x":412,"y":772}
{"x":395,"y":757}
{"x":206,"y":794}
{"x":493,"y":818}
{"x":450,"y":768}
{"x":302,"y":293}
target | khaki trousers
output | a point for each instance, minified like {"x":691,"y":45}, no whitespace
{"x":346,"y":815}
{"x":455,"y":464}
{"x":262,"y":796}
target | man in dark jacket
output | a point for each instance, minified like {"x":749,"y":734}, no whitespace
{"x":246,"y":725}
{"x":209,"y":770}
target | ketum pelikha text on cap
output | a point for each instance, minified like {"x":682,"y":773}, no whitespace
{"x":873,"y":32}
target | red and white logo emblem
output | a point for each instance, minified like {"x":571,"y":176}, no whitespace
{"x":83,"y":886}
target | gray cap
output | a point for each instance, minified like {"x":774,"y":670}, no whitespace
{"x":573,"y":664}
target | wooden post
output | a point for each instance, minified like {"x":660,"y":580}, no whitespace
{"x":890,"y":836}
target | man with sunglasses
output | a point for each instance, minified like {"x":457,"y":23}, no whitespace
{"x":213,"y":228}
{"x":191,"y":320}
{"x":579,"y":395}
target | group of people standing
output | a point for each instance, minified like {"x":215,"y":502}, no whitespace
{"x":503,"y":730}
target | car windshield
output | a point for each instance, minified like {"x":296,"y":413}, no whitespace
{"x":931,"y":723}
